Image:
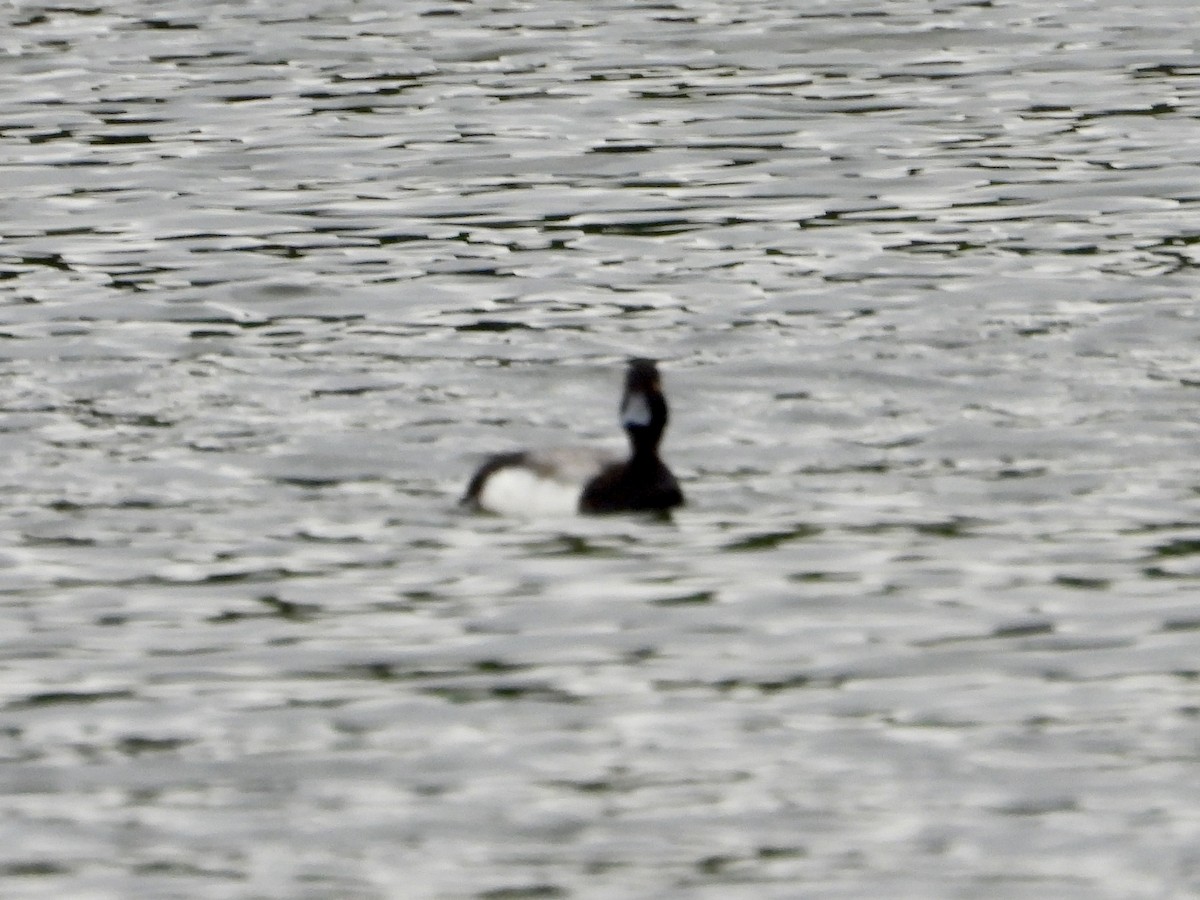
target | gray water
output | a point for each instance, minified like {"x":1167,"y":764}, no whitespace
{"x":275,"y":276}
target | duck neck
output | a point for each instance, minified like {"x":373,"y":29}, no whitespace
{"x":643,"y":444}
{"x":644,"y":415}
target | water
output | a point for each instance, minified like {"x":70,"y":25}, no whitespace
{"x":275,"y":276}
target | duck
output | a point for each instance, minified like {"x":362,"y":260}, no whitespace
{"x":580,"y":480}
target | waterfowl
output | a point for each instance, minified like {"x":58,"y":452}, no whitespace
{"x":585,"y":481}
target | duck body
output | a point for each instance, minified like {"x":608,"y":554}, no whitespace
{"x":579,"y":480}
{"x":632,"y":486}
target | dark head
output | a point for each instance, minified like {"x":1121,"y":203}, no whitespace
{"x":643,"y":407}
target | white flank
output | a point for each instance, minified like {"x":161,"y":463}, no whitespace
{"x":551,"y":487}
{"x":517,"y":491}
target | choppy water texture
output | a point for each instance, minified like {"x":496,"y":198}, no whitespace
{"x":274,"y":275}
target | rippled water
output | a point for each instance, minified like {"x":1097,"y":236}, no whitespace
{"x":274,"y":276}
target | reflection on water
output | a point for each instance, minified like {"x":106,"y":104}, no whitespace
{"x":275,"y":278}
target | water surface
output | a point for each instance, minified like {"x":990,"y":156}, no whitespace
{"x":274,"y":277}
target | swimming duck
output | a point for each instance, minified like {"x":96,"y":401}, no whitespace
{"x":580,"y":480}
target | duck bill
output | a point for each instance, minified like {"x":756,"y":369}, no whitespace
{"x":636,"y":411}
